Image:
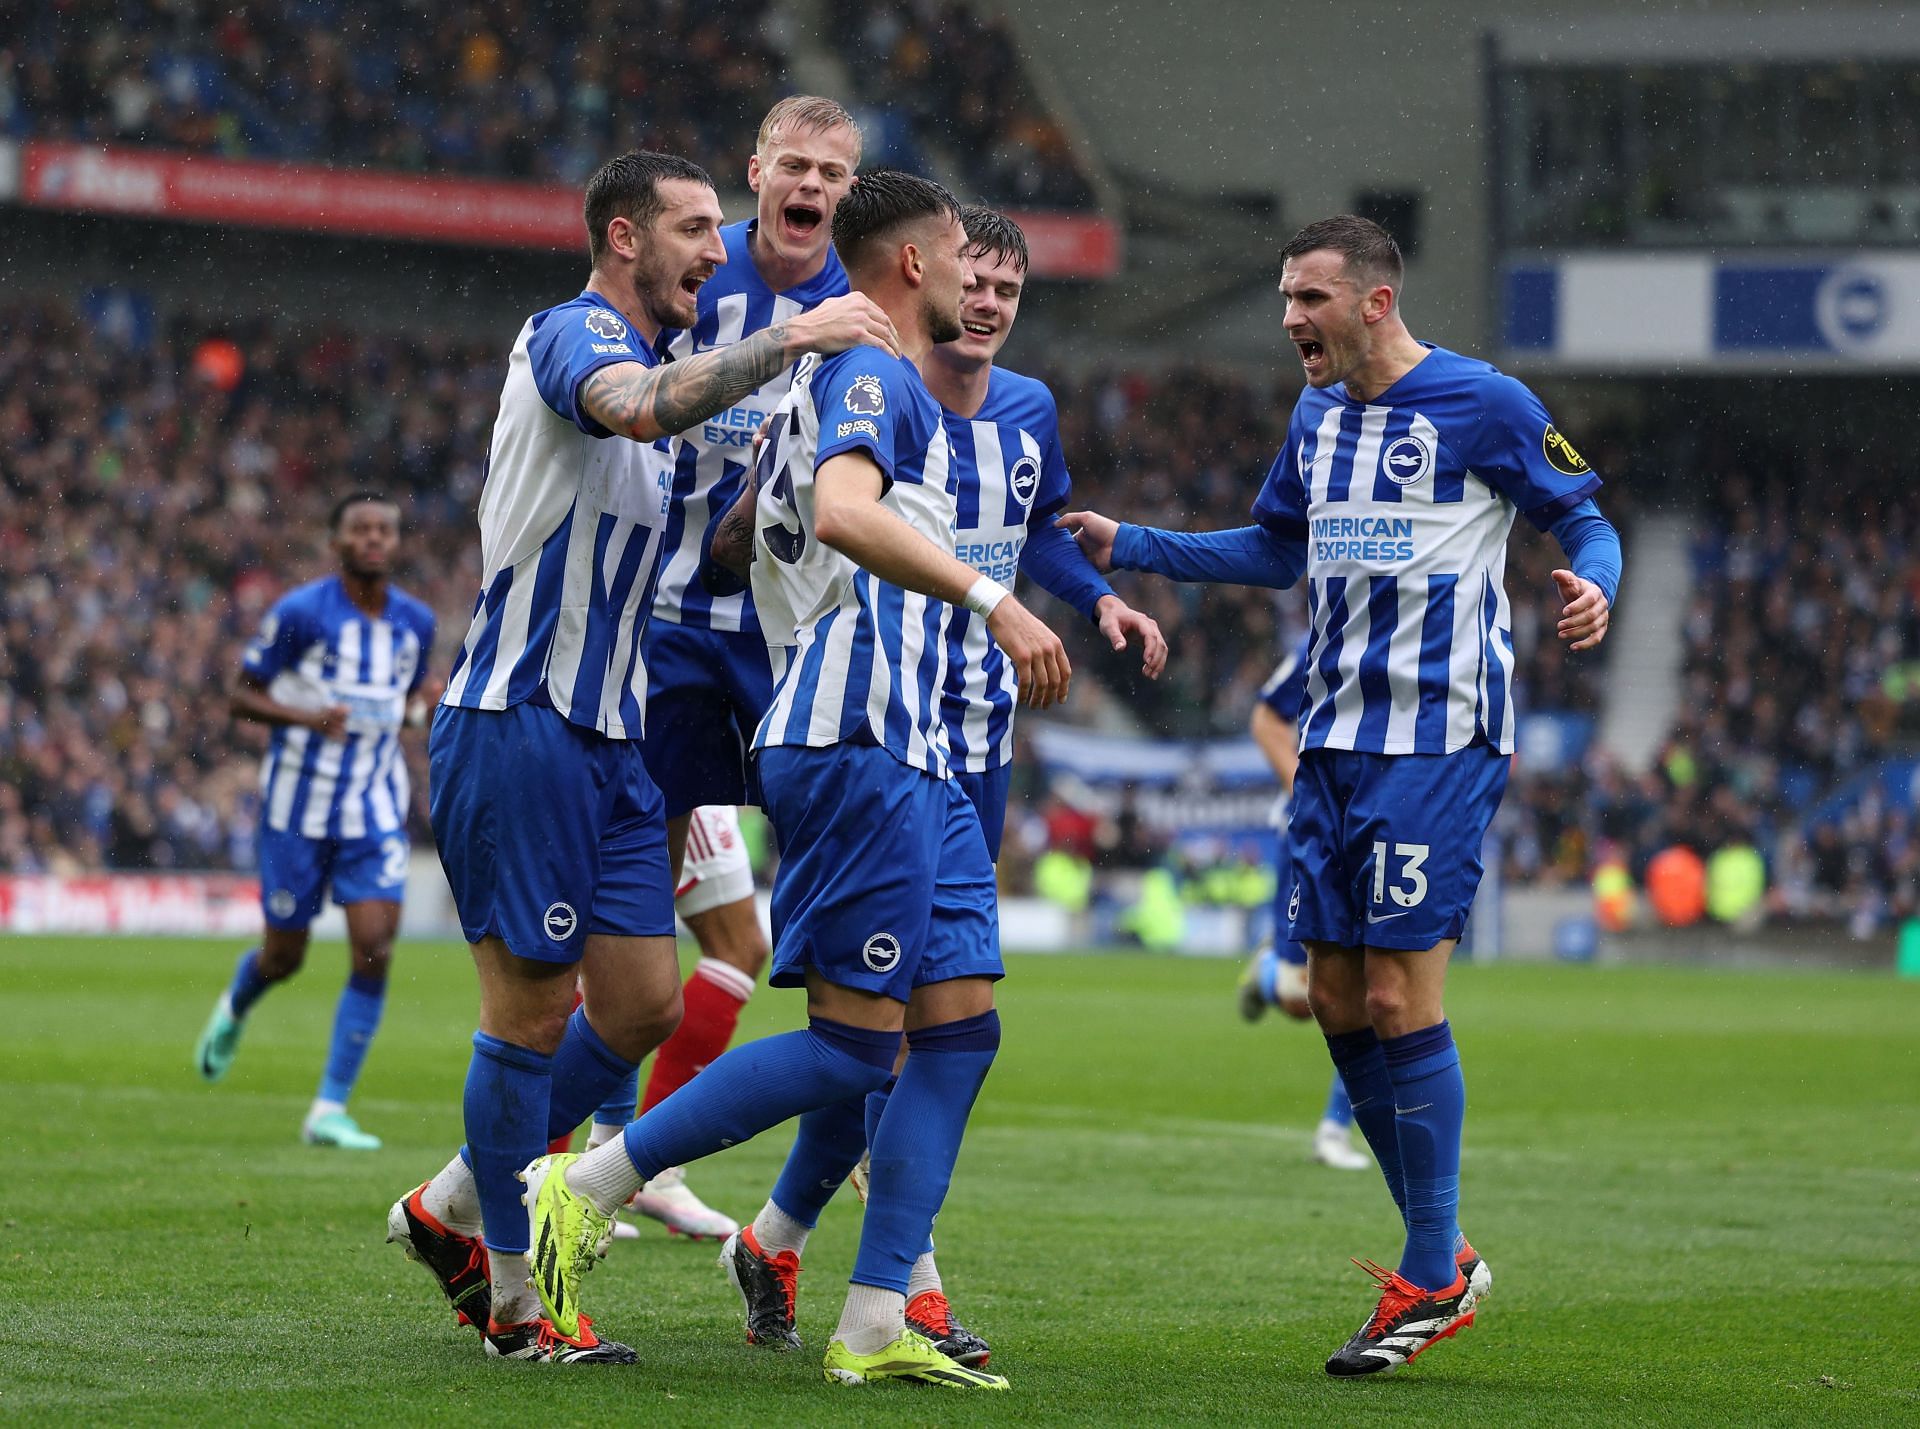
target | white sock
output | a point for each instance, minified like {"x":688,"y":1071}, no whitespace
{"x":924,"y":1276}
{"x":515,"y":1301}
{"x":452,"y":1198}
{"x":872,"y":1320}
{"x":599,"y":1134}
{"x":322,"y":1107}
{"x":606,"y":1176}
{"x":777,"y":1231}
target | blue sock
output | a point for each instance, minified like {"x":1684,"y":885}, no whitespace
{"x":1430,"y":1105}
{"x":508,"y":1091}
{"x":750,"y":1088}
{"x":355,"y":1021}
{"x":1363,"y":1071}
{"x":248,"y":983}
{"x":1339,"y":1104}
{"x":622,"y":1104}
{"x":827,"y":1149}
{"x":585,"y":1069}
{"x":917,"y":1142}
{"x":877,"y":1108}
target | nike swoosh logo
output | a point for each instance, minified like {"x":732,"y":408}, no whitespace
{"x":1410,"y":1110}
{"x":1386,"y":917}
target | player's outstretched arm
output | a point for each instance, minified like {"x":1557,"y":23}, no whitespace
{"x":1058,"y":566}
{"x":647,"y":403}
{"x":848,"y":516}
{"x":1245,"y":555}
{"x":249,"y":700}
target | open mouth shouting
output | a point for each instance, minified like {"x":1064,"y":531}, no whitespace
{"x":801,"y":221}
{"x":691,"y":284}
{"x":1313,"y":356}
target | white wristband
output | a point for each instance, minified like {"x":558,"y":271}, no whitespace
{"x":983,"y":596}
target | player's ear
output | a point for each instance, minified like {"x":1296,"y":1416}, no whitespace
{"x":623,"y":237}
{"x":753,"y":173}
{"x":913,"y":265}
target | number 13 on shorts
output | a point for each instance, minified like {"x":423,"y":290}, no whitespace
{"x":1407,"y":885}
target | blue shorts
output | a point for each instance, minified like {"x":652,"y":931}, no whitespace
{"x":1386,"y":847}
{"x":295,"y":871}
{"x":884,"y":881}
{"x":1289,"y":950}
{"x":706,"y":693}
{"x":987,"y":792}
{"x":547,"y":831}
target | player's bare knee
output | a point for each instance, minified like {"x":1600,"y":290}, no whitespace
{"x":373,"y":959}
{"x":1386,"y":1006}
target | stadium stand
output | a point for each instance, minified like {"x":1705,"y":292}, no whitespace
{"x":479,"y":89}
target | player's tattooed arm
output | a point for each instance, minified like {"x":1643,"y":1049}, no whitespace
{"x":732,"y":548}
{"x":647,"y":403}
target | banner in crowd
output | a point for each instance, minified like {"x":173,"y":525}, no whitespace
{"x":206,"y":904}
{"x":1707,"y":311}
{"x":314,"y":198}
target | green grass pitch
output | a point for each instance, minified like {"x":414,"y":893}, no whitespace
{"x":1699,"y":1193}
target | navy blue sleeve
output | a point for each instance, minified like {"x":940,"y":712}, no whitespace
{"x":277,"y":645}
{"x":1286,"y":688}
{"x":1592,"y":546}
{"x":570,"y":343}
{"x":1281,"y":506}
{"x":427,"y":625}
{"x":1246,"y":555}
{"x":1518,"y":451}
{"x":1058,"y":566}
{"x":858,"y":398}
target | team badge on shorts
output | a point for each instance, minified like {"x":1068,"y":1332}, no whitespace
{"x":560,"y":920}
{"x":282,"y":904}
{"x":881,"y":953}
{"x":1293,"y":904}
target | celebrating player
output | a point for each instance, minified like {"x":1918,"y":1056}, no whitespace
{"x":883,"y":908}
{"x":550,"y":829}
{"x":332,"y":671}
{"x":1277,"y":975}
{"x":708,"y":675}
{"x":1402,"y":471}
{"x":1009,"y":481}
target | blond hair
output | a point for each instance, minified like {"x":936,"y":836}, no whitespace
{"x":806,"y":112}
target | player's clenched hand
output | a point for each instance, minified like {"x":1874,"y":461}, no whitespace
{"x":331,"y":723}
{"x":843,"y":322}
{"x":1039,"y":659}
{"x":1095,"y":534}
{"x":1120,"y":622}
{"x":1584,"y":616}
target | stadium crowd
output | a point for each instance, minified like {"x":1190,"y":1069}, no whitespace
{"x":154,"y":500}
{"x":484,"y":89}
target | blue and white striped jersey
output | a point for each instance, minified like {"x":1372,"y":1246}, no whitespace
{"x":711,"y":460}
{"x":316,"y":649}
{"x":1404,"y":504}
{"x":1285,"y":691}
{"x":855,"y":660}
{"x":570,"y":525}
{"x":1008,"y":478}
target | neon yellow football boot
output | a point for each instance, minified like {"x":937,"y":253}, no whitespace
{"x":569,"y":1235}
{"x":913,"y":1358}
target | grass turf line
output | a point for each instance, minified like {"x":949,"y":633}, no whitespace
{"x":1697,"y":1190}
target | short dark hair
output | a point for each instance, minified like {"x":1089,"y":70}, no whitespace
{"x":878,"y":205}
{"x":357,"y":498}
{"x":991,"y":232}
{"x":1362,"y":244}
{"x":629,"y":187}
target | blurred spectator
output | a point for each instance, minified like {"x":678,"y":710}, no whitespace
{"x":512,"y":89}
